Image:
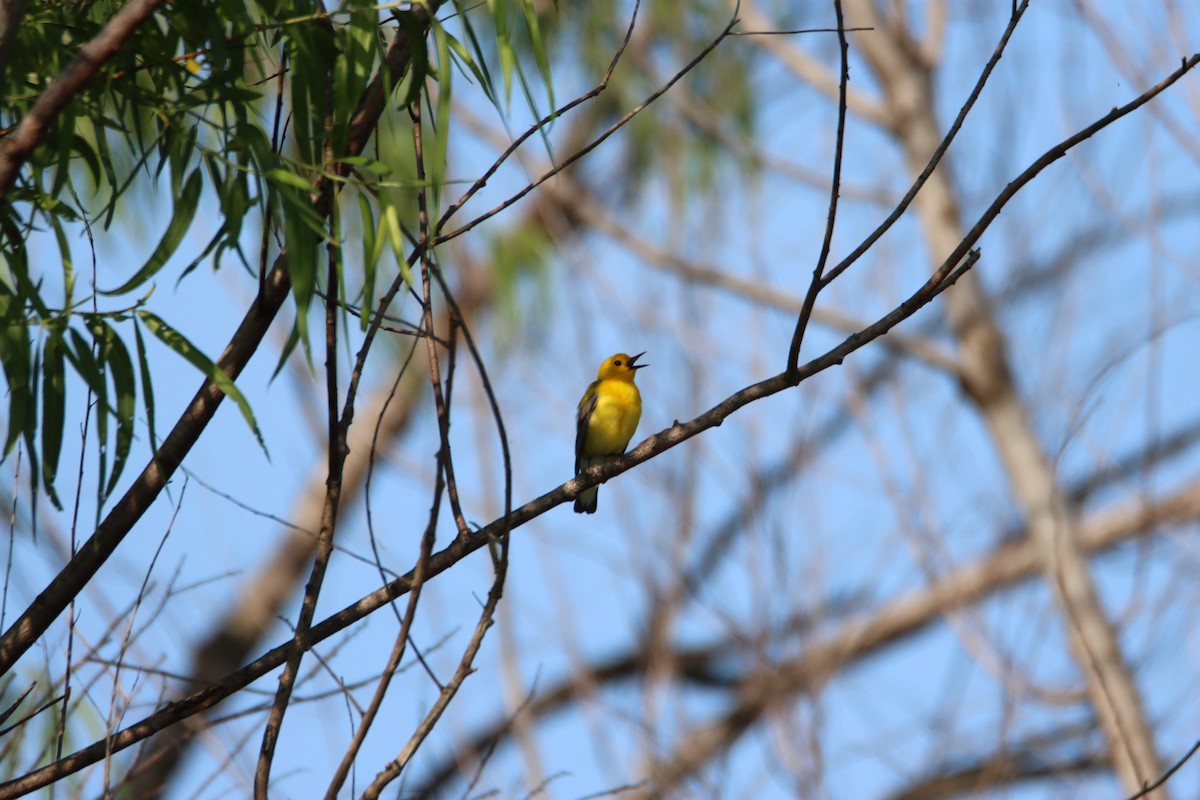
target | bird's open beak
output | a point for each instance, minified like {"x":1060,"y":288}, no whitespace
{"x":633,"y":361}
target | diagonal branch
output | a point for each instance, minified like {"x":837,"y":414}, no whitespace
{"x":860,"y":637}
{"x":760,"y":693}
{"x":40,"y":614}
{"x":495,"y":531}
{"x":989,"y":381}
{"x":957,"y":264}
{"x":393,"y":768}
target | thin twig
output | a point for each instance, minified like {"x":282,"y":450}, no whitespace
{"x":336,"y":460}
{"x":12,"y":533}
{"x":34,"y":713}
{"x":444,"y":468}
{"x":838,"y":30}
{"x":285,"y":523}
{"x":441,"y":238}
{"x":393,"y":769}
{"x":814,"y":288}
{"x":413,"y":329}
{"x":12,"y":708}
{"x":370,"y":476}
{"x":1150,"y":787}
{"x":489,"y":393}
{"x":385,"y":678}
{"x":441,"y":398}
{"x":83,"y":439}
{"x":393,"y":663}
{"x":936,"y":158}
{"x":111,"y":721}
{"x":960,"y":260}
{"x":539,"y":125}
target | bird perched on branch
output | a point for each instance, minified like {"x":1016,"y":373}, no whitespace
{"x":608,"y":416}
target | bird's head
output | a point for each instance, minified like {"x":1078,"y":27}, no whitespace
{"x":620,"y":367}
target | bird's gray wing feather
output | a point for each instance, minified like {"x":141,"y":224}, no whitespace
{"x":581,"y":428}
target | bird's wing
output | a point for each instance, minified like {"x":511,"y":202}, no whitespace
{"x":586,"y":406}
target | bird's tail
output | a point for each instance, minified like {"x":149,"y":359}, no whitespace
{"x":585,"y":501}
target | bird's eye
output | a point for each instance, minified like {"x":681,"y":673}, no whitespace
{"x":617,"y":362}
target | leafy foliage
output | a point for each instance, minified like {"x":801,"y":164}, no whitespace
{"x":235,"y":110}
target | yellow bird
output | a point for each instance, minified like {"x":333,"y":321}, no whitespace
{"x":608,"y":416}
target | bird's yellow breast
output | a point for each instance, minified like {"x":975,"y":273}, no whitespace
{"x":611,"y":425}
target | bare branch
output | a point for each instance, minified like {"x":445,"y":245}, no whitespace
{"x":900,"y":617}
{"x":1149,"y":787}
{"x":393,"y":769}
{"x":533,"y":129}
{"x":935,"y":158}
{"x":1032,"y":759}
{"x":814,"y":288}
{"x":336,"y":461}
{"x":441,"y":238}
{"x":808,"y":69}
{"x":988,"y":379}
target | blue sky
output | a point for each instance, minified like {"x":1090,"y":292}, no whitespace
{"x":912,"y":482}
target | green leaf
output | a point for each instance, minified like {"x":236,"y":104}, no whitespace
{"x":527,"y":92}
{"x":64,"y":247}
{"x":378,"y":168}
{"x":28,"y":294}
{"x":15,"y":349}
{"x":477,"y":62}
{"x":110,"y":172}
{"x":302,"y":268}
{"x":90,"y":367}
{"x":289,"y":178}
{"x":418,"y":62}
{"x":504,"y":48}
{"x":370,"y":258}
{"x":303,"y":230}
{"x":294,"y":193}
{"x":147,"y":386}
{"x":234,"y":200}
{"x":181,"y":220}
{"x":359,"y":43}
{"x":83,"y":149}
{"x":539,"y":47}
{"x":125,"y":387}
{"x":389,"y":227}
{"x":311,"y":54}
{"x":103,"y":410}
{"x":30,"y":431}
{"x":441,"y":139}
{"x":179,"y":343}
{"x":288,"y":346}
{"x":84,"y":362}
{"x":53,"y":412}
{"x":62,"y":140}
